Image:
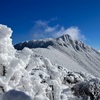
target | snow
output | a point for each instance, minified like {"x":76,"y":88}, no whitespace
{"x":48,"y":73}
{"x":6,"y":48}
{"x":15,"y":95}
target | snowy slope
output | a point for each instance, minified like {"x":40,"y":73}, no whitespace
{"x":71,"y":54}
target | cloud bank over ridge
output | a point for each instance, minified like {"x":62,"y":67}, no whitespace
{"x":42,"y":29}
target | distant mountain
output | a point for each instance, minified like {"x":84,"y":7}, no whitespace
{"x":64,"y":40}
{"x":72,"y":54}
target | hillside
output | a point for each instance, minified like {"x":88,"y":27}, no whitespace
{"x":71,"y":54}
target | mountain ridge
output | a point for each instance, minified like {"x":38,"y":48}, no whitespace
{"x":64,"y":40}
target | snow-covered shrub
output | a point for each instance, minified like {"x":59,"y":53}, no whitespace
{"x":73,"y":78}
{"x":88,"y":89}
{"x":15,"y":95}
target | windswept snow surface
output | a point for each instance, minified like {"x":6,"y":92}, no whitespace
{"x":49,"y":70}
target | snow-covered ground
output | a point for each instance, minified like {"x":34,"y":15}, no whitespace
{"x":55,"y":69}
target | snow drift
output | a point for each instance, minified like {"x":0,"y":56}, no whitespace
{"x":45,"y":72}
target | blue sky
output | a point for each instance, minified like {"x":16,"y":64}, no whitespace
{"x":31,"y":19}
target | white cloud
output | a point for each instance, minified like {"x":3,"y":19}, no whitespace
{"x":41,"y":23}
{"x":42,"y":29}
{"x":50,"y":29}
{"x":74,"y":32}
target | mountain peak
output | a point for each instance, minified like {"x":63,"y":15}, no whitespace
{"x":66,"y":37}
